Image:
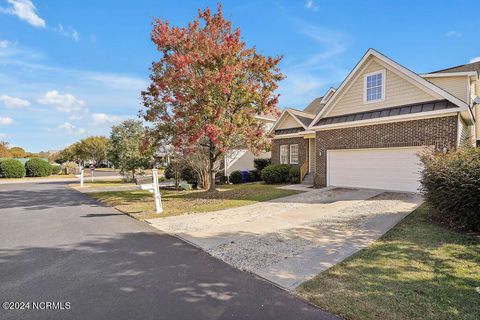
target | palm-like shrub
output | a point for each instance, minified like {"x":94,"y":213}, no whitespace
{"x":451,"y":186}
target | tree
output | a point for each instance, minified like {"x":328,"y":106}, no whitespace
{"x":94,"y":149}
{"x":4,"y":152}
{"x":70,"y":153}
{"x":17,"y":152}
{"x":208,"y":86}
{"x":130,"y":147}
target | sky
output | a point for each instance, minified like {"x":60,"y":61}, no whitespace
{"x":70,"y":69}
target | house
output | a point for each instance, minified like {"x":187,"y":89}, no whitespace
{"x":241,"y":159}
{"x":368,"y":132}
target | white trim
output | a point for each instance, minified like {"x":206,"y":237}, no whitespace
{"x":459,"y":130}
{"x":327,"y":95}
{"x":281,"y":118}
{"x":293,"y":135}
{"x":290,"y":153}
{"x":384,"y":82}
{"x":405,"y":117}
{"x":419,"y":80}
{"x":450,"y":74}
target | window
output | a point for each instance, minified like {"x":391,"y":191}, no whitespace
{"x":374,"y":85}
{"x":294,"y":154}
{"x":284,"y":154}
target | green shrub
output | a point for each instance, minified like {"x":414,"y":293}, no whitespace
{"x":236,"y":177}
{"x":451,"y":186}
{"x":294,"y":175}
{"x":11,"y":168}
{"x":38,"y":168}
{"x":252,"y":176}
{"x":275,"y":173}
{"x":260,"y":164}
{"x":56,"y":169}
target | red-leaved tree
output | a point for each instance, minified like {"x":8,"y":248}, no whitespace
{"x":208,"y":86}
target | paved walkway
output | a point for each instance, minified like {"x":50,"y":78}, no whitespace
{"x":58,"y":245}
{"x":290,"y":240}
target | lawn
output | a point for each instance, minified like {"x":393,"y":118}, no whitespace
{"x":418,"y":270}
{"x":140,"y":205}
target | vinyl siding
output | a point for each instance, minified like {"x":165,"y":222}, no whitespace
{"x":288,"y":122}
{"x":465,"y":132}
{"x":245,"y":161}
{"x":398,"y":91}
{"x":457,"y":86}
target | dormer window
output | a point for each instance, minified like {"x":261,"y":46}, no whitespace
{"x":374,"y":87}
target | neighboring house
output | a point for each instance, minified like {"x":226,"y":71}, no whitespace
{"x":241,"y":159}
{"x":368,"y":132}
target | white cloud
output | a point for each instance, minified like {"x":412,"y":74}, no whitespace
{"x":3,"y":135}
{"x":475,"y":59}
{"x":71,"y":129}
{"x":312,"y":5}
{"x":26,"y":11}
{"x":68,"y":32}
{"x":99,"y":118}
{"x":13,"y":102}
{"x":4,"y":44}
{"x":62,"y":102}
{"x":4,"y":121}
{"x":454,"y":33}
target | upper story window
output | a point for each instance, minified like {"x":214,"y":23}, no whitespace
{"x":374,"y":87}
{"x":294,"y":154}
{"x":284,"y":154}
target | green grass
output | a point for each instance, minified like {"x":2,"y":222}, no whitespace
{"x":418,"y":270}
{"x":140,"y":205}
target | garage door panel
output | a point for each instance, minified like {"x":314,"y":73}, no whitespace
{"x":393,"y":169}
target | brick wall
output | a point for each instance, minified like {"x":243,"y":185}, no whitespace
{"x":302,"y":149}
{"x":441,"y":132}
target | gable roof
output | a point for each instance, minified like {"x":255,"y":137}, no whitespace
{"x":474,"y":66}
{"x":302,"y":118}
{"x":408,"y":73}
{"x":315,"y":106}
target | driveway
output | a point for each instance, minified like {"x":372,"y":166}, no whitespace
{"x":58,"y":245}
{"x":290,"y":240}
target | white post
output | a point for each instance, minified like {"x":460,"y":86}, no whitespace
{"x":81,"y":178}
{"x":91,"y":175}
{"x":156,"y":192}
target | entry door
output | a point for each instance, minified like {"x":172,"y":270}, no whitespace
{"x":390,"y":169}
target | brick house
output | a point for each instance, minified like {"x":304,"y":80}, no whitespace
{"x":369,"y":131}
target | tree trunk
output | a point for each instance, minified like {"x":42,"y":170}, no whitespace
{"x":211,"y":172}
{"x":133,"y":174}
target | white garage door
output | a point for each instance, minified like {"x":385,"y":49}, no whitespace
{"x":390,"y":169}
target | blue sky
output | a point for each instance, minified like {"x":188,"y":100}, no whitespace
{"x":69,"y":69}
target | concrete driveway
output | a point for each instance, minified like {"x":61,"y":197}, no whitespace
{"x":57,"y":245}
{"x":291,"y":239}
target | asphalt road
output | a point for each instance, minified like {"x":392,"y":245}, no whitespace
{"x":57,"y":245}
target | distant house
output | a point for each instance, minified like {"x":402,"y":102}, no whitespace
{"x":367,"y":133}
{"x":241,"y":158}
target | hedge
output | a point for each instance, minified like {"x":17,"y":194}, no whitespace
{"x":236,"y":177}
{"x":11,"y":168}
{"x":260,"y":163}
{"x":38,"y":168}
{"x":276,"y":173}
{"x":451,"y":186}
{"x":56,"y":169}
{"x":294,"y":175}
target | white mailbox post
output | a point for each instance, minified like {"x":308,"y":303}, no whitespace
{"x":81,"y":177}
{"x":154,"y":188}
{"x":156,"y":192}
